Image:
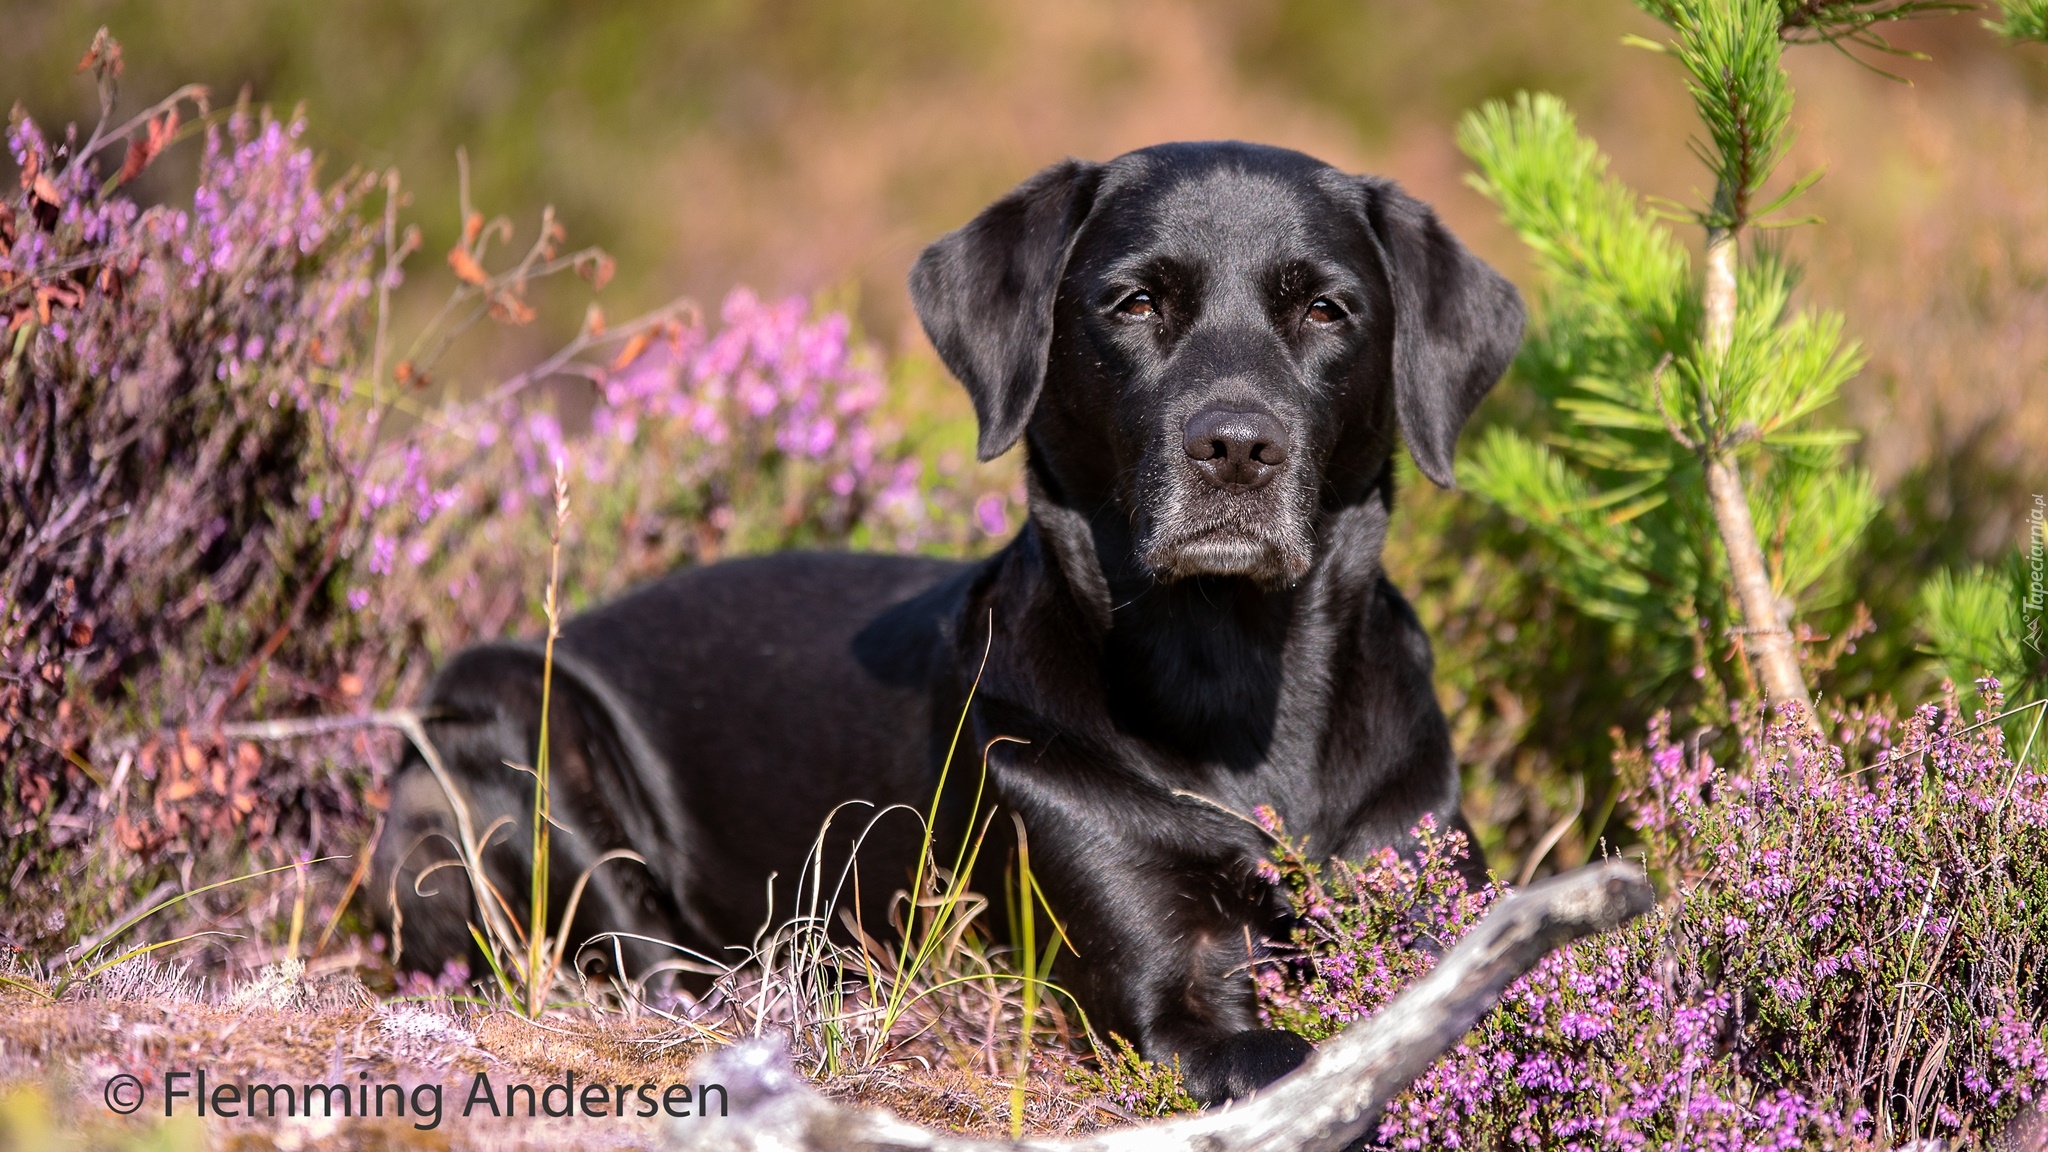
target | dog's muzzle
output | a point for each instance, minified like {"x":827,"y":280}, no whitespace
{"x":1231,"y":508}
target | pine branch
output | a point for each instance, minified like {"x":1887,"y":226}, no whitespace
{"x":1731,"y":52}
{"x":1837,"y":21}
{"x":2022,"y":21}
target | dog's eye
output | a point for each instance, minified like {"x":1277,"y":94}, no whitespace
{"x":1137,"y":304}
{"x":1325,"y":311}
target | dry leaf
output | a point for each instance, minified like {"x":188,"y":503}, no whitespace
{"x":466,"y":268}
{"x":144,"y":150}
{"x":248,"y":761}
{"x":48,"y":294}
{"x":634,"y":347}
{"x":509,"y":309}
{"x":105,"y":51}
{"x":593,"y":321}
{"x":596,"y":267}
{"x":472,"y":228}
{"x":136,"y":160}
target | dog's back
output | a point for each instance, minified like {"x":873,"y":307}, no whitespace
{"x":782,"y":686}
{"x":716,"y":716}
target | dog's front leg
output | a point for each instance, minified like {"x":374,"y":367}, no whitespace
{"x":1165,"y":955}
{"x":1204,"y":1013}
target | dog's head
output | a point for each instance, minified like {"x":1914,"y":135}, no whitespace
{"x":1212,"y":343}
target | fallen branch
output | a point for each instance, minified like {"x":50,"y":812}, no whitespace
{"x":1323,"y":1106}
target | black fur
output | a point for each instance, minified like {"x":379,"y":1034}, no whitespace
{"x":1193,"y":623}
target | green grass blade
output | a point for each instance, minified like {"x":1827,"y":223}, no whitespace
{"x":181,"y":897}
{"x":497,"y":970}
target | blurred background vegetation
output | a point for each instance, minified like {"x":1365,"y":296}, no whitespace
{"x":813,"y":146}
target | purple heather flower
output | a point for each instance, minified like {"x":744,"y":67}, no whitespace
{"x":991,"y":516}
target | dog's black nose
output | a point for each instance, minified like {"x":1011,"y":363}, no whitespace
{"x":1236,"y":449}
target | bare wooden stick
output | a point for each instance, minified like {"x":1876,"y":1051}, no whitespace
{"x":298,"y":728}
{"x":1323,"y":1106}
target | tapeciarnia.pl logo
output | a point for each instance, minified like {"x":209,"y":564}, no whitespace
{"x":2037,"y":570}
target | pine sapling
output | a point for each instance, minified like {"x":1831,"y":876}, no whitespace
{"x":1685,"y":480}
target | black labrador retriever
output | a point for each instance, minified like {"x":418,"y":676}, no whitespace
{"x":1208,"y":349}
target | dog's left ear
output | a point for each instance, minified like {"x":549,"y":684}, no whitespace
{"x":984,"y":293}
{"x":1457,"y":325}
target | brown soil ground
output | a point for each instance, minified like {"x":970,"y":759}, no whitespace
{"x":59,"y":1057}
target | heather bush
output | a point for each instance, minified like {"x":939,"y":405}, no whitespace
{"x":227,"y":494}
{"x":1848,"y":955}
{"x":1368,"y":928}
{"x":167,"y":406}
{"x":765,"y":431}
{"x":1143,"y":1088}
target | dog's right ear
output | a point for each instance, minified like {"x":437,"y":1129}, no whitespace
{"x":984,"y":293}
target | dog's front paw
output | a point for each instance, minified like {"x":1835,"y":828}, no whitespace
{"x":1239,"y":1065}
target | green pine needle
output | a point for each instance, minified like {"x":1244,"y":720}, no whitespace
{"x":1989,"y":621}
{"x":2022,"y":21}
